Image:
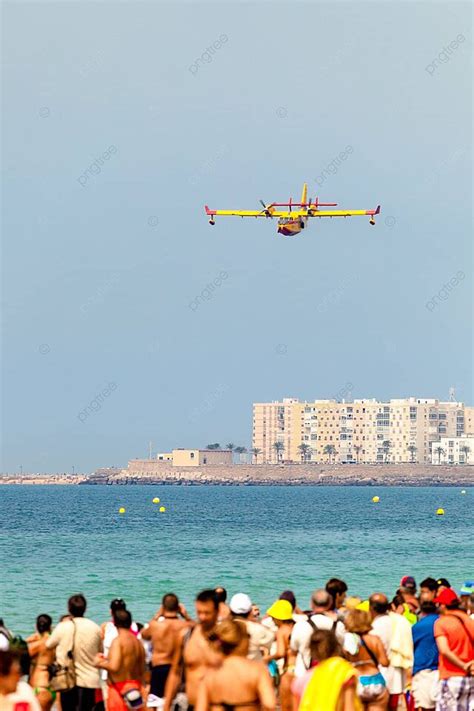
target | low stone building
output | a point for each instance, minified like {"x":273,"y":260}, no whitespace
{"x":182,"y":458}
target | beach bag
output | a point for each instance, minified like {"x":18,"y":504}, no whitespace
{"x":63,"y":677}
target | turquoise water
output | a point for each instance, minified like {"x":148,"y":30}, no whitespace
{"x":55,"y":541}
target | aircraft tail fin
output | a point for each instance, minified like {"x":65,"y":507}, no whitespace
{"x":304,"y":194}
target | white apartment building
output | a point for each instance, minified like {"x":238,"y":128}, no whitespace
{"x":365,"y":430}
{"x":453,"y":450}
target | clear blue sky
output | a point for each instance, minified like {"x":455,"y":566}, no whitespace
{"x":101,"y":269}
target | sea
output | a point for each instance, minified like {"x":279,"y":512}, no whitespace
{"x":59,"y":540}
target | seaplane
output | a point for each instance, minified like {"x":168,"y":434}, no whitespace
{"x":296,"y":215}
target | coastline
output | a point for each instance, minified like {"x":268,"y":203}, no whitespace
{"x":263,"y":475}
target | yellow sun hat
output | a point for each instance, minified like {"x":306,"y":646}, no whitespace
{"x":281,"y":610}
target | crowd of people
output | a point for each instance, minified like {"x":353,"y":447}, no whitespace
{"x":413,"y":652}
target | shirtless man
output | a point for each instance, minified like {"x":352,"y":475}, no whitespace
{"x":194,"y":653}
{"x":125,"y":664}
{"x":163,"y":631}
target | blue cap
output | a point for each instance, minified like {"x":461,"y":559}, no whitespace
{"x":467,"y":588}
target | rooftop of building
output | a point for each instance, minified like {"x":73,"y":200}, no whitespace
{"x":359,"y":401}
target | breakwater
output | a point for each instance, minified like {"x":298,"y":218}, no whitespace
{"x":262,"y":474}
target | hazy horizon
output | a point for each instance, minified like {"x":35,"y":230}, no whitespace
{"x":115,"y":136}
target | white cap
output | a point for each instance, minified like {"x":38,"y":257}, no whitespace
{"x":240,"y":604}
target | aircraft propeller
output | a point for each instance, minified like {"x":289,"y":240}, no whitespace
{"x":266,"y":209}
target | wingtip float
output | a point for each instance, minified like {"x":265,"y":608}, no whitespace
{"x":295,"y":217}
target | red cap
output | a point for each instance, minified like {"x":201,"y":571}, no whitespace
{"x":446,"y":597}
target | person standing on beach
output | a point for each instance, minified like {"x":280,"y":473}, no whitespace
{"x":401,"y":650}
{"x":260,"y":637}
{"x":41,"y":658}
{"x":367,"y":654}
{"x":194,"y":653}
{"x":395,"y":632}
{"x":425,"y":665}
{"x":321,"y":617}
{"x":382,"y":627}
{"x":163,"y":631}
{"x":108,"y":633}
{"x":454,"y":633}
{"x":108,"y":629}
{"x":407,"y":590}
{"x":81,"y":637}
{"x":281,"y":613}
{"x":330,"y":682}
{"x":125,"y":666}
{"x":15,"y":694}
{"x":428,"y":590}
{"x":338,"y":591}
{"x":239,"y":682}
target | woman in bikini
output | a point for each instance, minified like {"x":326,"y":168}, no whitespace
{"x":239,"y":684}
{"x":281,"y":613}
{"x":367,"y":653}
{"x":330,"y":682}
{"x":41,"y":658}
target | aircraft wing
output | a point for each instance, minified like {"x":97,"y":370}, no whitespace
{"x":237,"y":213}
{"x":257,"y":213}
{"x":340,"y":213}
{"x":291,"y":214}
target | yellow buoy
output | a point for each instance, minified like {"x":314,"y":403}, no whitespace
{"x":440,"y":512}
{"x":156,"y":500}
{"x":162,"y":509}
{"x":121,"y":509}
{"x":376,"y":499}
{"x":463,"y":491}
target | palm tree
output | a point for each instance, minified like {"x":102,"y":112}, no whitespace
{"x":412,"y":449}
{"x":386,"y":445}
{"x":255,"y":452}
{"x":278,"y":447}
{"x":465,"y":449}
{"x":230,"y":446}
{"x":357,"y":450}
{"x":216,"y":445}
{"x":440,"y":452}
{"x":305,"y":451}
{"x":330,"y":450}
